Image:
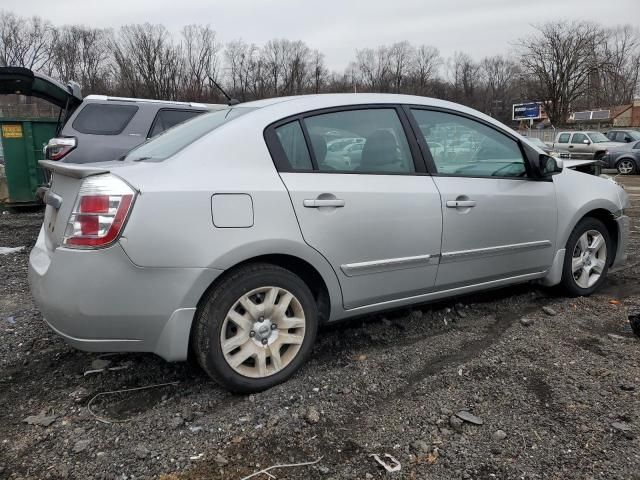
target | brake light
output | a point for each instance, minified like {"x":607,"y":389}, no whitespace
{"x":100,"y":212}
{"x":58,"y":148}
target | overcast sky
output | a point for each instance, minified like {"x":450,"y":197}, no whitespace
{"x":339,"y":27}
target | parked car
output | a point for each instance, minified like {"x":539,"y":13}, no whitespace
{"x":97,"y":128}
{"x":625,"y":158}
{"x":582,"y":145}
{"x":230,"y":238}
{"x":623,"y":136}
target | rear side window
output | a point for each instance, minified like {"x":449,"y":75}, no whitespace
{"x":166,"y":118}
{"x":104,"y":119}
{"x":360,"y":141}
{"x":564,"y":138}
{"x":295,"y":149}
{"x":172,"y":141}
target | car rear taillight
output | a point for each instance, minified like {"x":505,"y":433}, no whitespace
{"x":57,"y":148}
{"x":100,"y":212}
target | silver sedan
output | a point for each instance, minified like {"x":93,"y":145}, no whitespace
{"x":235,"y":235}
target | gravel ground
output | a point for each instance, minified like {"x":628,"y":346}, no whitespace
{"x":557,"y":392}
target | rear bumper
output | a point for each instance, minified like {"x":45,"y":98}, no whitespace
{"x":99,"y":301}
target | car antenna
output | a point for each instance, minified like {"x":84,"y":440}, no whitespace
{"x":231,"y":101}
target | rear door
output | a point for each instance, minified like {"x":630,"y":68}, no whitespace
{"x":376,"y":215}
{"x":498,"y":223}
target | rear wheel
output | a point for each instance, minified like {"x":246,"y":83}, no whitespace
{"x":626,"y":166}
{"x":586,"y":259}
{"x":256,"y":328}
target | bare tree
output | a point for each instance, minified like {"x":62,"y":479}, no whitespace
{"x":147,"y":61}
{"x":373,"y":68}
{"x":200,"y":59}
{"x":424,"y":67}
{"x":619,"y":76}
{"x":500,"y":78}
{"x":463,"y":72}
{"x":400,"y":57}
{"x":82,"y":54}
{"x":25,"y":42}
{"x":561,"y":58}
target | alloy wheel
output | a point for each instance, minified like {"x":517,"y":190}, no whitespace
{"x":589,"y":258}
{"x":625,"y":167}
{"x":263,"y":332}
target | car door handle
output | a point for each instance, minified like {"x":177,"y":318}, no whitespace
{"x":317,"y":203}
{"x":461,"y":203}
{"x":570,"y":146}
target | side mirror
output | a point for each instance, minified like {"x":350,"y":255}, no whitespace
{"x":586,"y":142}
{"x":550,"y":165}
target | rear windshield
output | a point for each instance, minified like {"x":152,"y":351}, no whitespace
{"x":104,"y":119}
{"x":175,"y":139}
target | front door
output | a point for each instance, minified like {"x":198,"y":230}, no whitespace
{"x":497,"y":223}
{"x":578,"y":149}
{"x":368,"y":211}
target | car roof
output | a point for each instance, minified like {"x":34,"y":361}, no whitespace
{"x":283,"y":107}
{"x":106,"y":98}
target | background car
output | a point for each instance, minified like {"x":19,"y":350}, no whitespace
{"x":625,"y":158}
{"x":623,"y":136}
{"x":97,"y":128}
{"x":582,"y":145}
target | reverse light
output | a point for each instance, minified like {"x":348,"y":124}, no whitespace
{"x":100,"y":212}
{"x":57,"y":148}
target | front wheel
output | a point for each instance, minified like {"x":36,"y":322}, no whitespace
{"x":586,"y":259}
{"x":256,"y":328}
{"x":626,"y":166}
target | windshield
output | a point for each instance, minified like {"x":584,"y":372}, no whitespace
{"x":597,"y":137}
{"x":536,"y":141}
{"x":175,"y":139}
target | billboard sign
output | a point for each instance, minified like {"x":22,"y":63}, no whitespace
{"x":527,"y":111}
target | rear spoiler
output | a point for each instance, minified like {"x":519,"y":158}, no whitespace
{"x":74,"y":170}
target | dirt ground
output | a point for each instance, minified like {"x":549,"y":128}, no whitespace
{"x":557,"y":392}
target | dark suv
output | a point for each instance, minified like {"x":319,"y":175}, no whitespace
{"x":97,"y":128}
{"x":623,"y":136}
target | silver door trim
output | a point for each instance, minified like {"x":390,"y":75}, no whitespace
{"x":387,"y":264}
{"x":438,"y":294}
{"x":462,"y":255}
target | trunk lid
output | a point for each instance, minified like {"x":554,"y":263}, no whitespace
{"x":22,"y":81}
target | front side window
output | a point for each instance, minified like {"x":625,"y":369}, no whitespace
{"x":579,"y":138}
{"x":104,"y":119}
{"x":597,"y":137}
{"x":167,"y":118}
{"x":360,"y":141}
{"x":464,"y":147}
{"x":294,"y":146}
{"x":564,"y":138}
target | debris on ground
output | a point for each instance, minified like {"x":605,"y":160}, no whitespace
{"x":469,"y":417}
{"x":10,"y":250}
{"x":549,"y":311}
{"x":41,"y":419}
{"x":392,"y":466}
{"x":526,"y":322}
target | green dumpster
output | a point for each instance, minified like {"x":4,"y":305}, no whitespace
{"x":24,"y":137}
{"x":22,"y":143}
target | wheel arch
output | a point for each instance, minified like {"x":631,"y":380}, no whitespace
{"x":606,"y":217}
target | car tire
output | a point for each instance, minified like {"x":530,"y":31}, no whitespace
{"x":586,"y":262}
{"x":626,"y":166}
{"x":254,"y":348}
